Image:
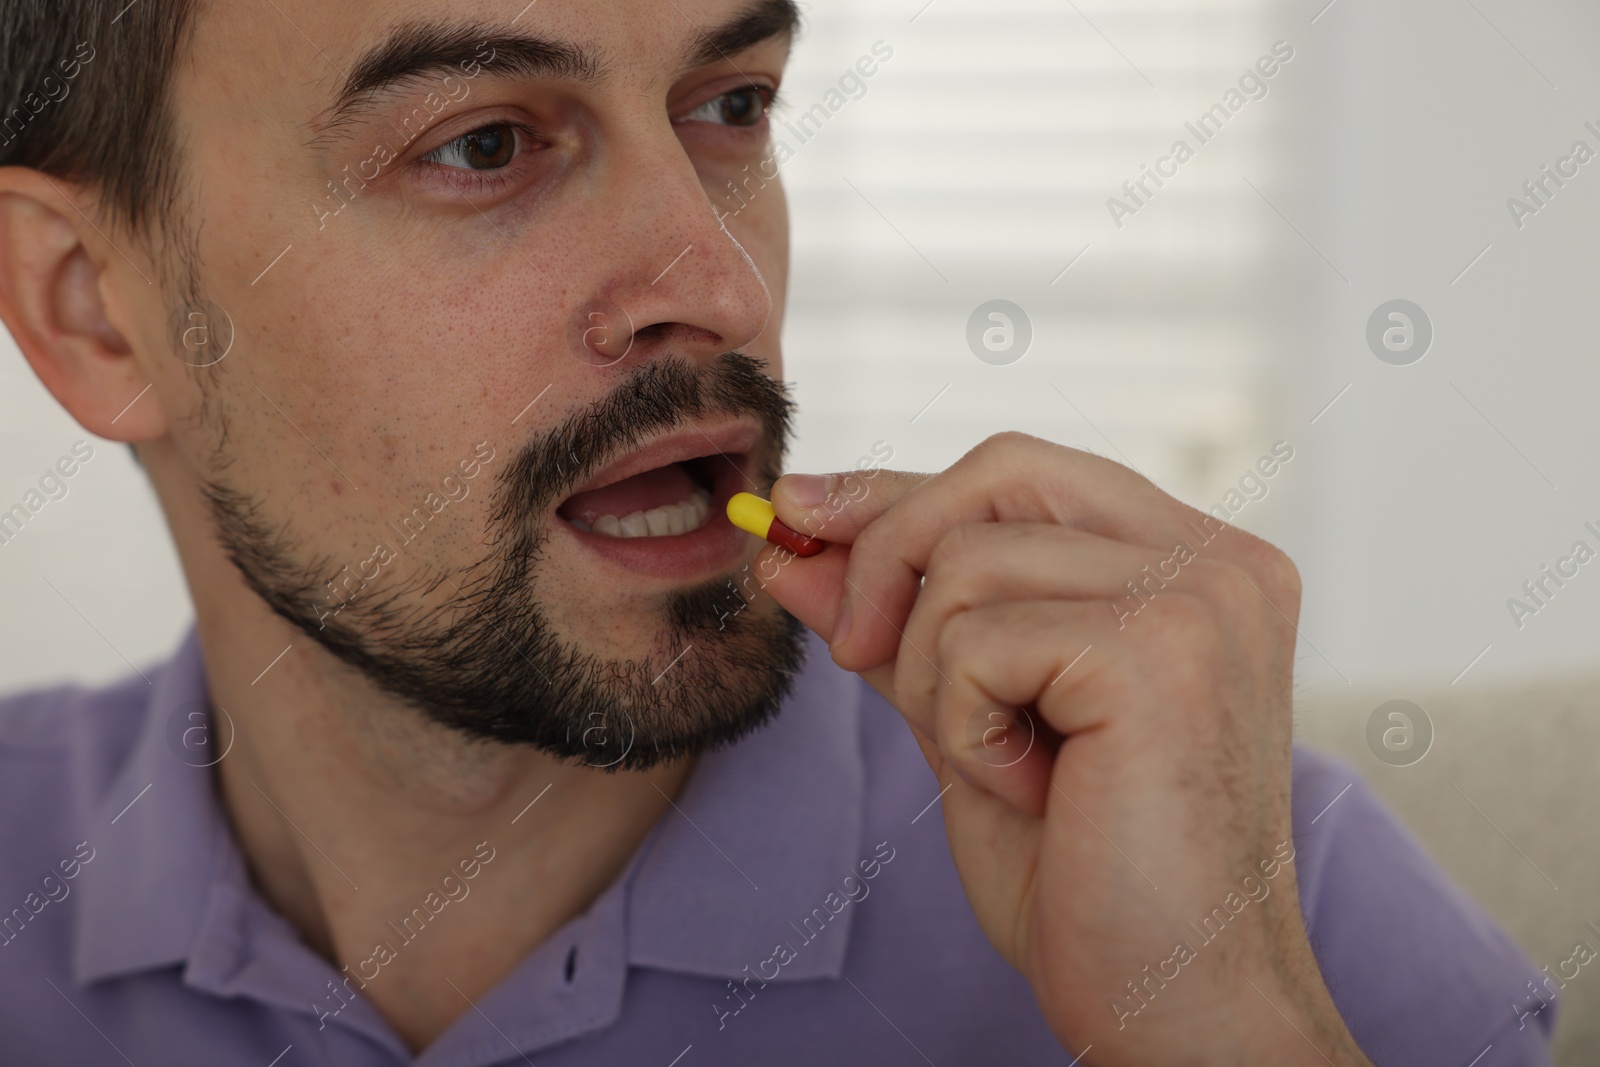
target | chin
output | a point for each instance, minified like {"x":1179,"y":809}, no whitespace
{"x":526,"y":645}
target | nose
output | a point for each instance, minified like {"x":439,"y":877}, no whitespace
{"x":683,"y":284}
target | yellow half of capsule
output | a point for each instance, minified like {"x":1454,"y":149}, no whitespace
{"x":751,"y":514}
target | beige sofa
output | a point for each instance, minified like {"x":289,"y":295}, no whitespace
{"x":1526,"y":755}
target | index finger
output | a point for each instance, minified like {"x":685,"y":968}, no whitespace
{"x":837,"y":507}
{"x":1008,"y":478}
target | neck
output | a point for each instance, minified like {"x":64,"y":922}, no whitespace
{"x":403,"y":852}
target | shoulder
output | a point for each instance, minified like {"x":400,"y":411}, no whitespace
{"x":40,"y":719}
{"x":59,"y":749}
{"x":1419,"y":971}
{"x":71,"y":721}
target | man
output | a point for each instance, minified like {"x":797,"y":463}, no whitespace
{"x":444,"y":333}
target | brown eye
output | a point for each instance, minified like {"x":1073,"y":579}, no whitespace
{"x":745,"y":106}
{"x":486,"y":148}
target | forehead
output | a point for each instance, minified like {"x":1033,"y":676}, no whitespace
{"x":311,"y":53}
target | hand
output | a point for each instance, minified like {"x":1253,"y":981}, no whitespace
{"x":1117,"y":766}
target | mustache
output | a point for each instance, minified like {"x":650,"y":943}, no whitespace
{"x":653,"y":398}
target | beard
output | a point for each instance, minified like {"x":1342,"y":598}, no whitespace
{"x":487,"y":663}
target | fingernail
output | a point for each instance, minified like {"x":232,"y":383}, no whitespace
{"x":841,"y":625}
{"x":805,"y":490}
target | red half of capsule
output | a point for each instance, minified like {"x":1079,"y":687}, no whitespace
{"x":786,"y":537}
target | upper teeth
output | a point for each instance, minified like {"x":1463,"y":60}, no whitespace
{"x":685,"y":516}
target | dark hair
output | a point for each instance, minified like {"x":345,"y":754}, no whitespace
{"x":85,"y":86}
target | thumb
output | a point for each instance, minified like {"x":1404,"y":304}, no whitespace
{"x":837,"y":507}
{"x":812,"y":590}
{"x":834,"y":508}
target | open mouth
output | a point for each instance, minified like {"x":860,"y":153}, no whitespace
{"x":660,"y":510}
{"x":662,"y":502}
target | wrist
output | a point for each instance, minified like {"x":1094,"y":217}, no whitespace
{"x":1259,"y":1020}
{"x":1300,"y":1025}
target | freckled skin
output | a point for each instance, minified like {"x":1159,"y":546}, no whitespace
{"x":389,"y":341}
{"x":412,"y":325}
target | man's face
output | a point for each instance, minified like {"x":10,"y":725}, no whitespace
{"x":517,"y":305}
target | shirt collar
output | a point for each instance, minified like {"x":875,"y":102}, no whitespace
{"x":765,"y":831}
{"x":752,"y":855}
{"x":158,"y":832}
{"x":758,"y":843}
{"x":169,"y":885}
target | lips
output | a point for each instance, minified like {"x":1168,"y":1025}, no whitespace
{"x":660,"y":509}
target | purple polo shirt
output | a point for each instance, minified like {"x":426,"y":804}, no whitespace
{"x":800,"y":907}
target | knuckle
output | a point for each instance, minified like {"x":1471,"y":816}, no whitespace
{"x":1099,"y":462}
{"x":1267,"y":565}
{"x":1007,"y":442}
{"x":1185,"y":639}
{"x":873,"y":538}
{"x":1182,"y":619}
{"x":963,"y":635}
{"x":1281,"y":575}
{"x":915,"y":689}
{"x":957,"y":549}
{"x":1227,"y":588}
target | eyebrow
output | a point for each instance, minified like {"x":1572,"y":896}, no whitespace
{"x":418,"y":49}
{"x":761,"y":21}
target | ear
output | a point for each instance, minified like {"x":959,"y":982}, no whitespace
{"x":67,"y":293}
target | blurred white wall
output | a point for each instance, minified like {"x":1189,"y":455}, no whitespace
{"x":1219,"y":318}
{"x":90,"y":585}
{"x":1437,"y":489}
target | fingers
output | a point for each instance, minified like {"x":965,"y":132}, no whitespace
{"x":1003,"y":673}
{"x":1015,"y":478}
{"x":837,"y":507}
{"x":1045,"y":547}
{"x":981,"y":563}
{"x":997,"y":662}
{"x":1020,"y":676}
{"x":809,"y":590}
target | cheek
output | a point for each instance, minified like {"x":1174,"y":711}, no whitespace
{"x":394,"y":379}
{"x":420,"y":364}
